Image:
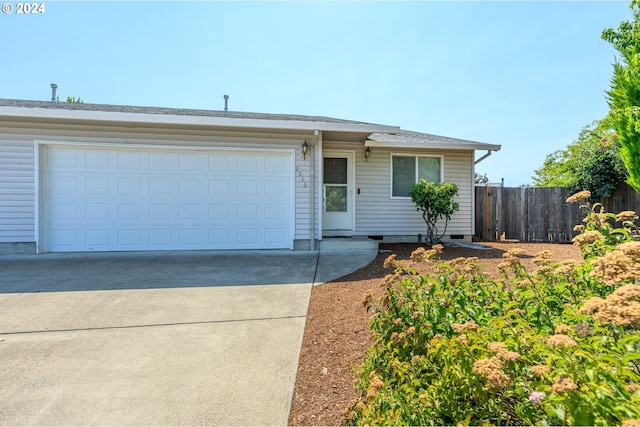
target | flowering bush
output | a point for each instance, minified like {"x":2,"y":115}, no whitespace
{"x":599,"y":233}
{"x":558,"y":346}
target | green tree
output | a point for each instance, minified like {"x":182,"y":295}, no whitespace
{"x":435,"y":201}
{"x":592,"y":162}
{"x":624,"y":96}
{"x":72,"y":100}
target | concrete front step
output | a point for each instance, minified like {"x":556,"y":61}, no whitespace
{"x":348,"y":244}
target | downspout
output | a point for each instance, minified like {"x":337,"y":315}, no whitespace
{"x":489,"y":152}
{"x":312,"y":166}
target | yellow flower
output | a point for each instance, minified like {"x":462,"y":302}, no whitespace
{"x":626,"y":216}
{"x":491,"y":368}
{"x":500,"y":349}
{"x":540,"y":370}
{"x":498,"y":379}
{"x":621,"y":308}
{"x":376,"y":384}
{"x":487,"y":366}
{"x":390,"y":262}
{"x":462,"y":339}
{"x":579,"y":197}
{"x":564,"y":383}
{"x":497,"y":347}
{"x":619,"y":266}
{"x":587,"y":238}
{"x":367,"y":299}
{"x":562,"y":329}
{"x":418,"y":255}
{"x":561,"y":340}
{"x":543,"y":257}
{"x":632,"y":388}
{"x":591,"y":305}
{"x":631,"y":423}
{"x":468,"y":326}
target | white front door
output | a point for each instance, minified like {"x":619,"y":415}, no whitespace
{"x":337,"y":193}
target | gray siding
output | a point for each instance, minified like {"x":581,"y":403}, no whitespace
{"x":17,"y":190}
{"x":379,"y":214}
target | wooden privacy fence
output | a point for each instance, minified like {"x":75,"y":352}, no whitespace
{"x":541,"y":214}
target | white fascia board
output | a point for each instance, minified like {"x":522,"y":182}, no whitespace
{"x":434,"y":145}
{"x":144,"y":119}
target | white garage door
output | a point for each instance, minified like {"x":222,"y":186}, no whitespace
{"x":127,"y":200}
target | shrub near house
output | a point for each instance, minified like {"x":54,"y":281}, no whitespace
{"x":559,"y":345}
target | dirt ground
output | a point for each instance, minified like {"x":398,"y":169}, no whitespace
{"x":336,"y":332}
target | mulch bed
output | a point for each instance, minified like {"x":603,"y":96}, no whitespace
{"x":336,"y":332}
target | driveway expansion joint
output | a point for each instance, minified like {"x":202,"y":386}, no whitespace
{"x":153,"y":325}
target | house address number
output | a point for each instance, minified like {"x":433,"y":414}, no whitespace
{"x":24,"y":8}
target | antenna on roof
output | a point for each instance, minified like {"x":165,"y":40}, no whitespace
{"x":226,"y":103}
{"x":53,"y":92}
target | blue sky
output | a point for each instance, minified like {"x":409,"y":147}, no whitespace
{"x":526,"y":75}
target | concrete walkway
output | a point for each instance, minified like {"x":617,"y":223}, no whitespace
{"x":161,"y":338}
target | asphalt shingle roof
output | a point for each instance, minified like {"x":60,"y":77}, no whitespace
{"x":169,"y":111}
{"x":420,"y":138}
{"x":401,"y":138}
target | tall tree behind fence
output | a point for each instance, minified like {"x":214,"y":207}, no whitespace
{"x":537,"y":214}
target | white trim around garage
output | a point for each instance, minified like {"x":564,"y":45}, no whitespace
{"x":41,"y":155}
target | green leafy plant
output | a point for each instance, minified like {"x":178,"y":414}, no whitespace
{"x":592,"y":163}
{"x":624,"y":95}
{"x":435,"y":202}
{"x":599,"y":233}
{"x":554,"y":345}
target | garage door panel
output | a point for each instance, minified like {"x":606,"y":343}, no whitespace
{"x":220,"y":237}
{"x":58,"y":159}
{"x":189,"y":187}
{"x":130,"y":161}
{"x":137,"y":200}
{"x":130,"y":237}
{"x":160,"y":187}
{"x":97,"y":237}
{"x":160,"y":212}
{"x":160,"y":162}
{"x":97,"y":211}
{"x":97,"y":185}
{"x":160,"y":237}
{"x":275,"y":236}
{"x":190,"y":162}
{"x":220,"y":163}
{"x":64,"y":185}
{"x":130,"y":211}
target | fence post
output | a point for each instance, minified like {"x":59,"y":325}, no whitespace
{"x":487,"y":218}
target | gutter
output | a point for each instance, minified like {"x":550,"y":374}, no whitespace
{"x":142,"y":118}
{"x":489,"y":152}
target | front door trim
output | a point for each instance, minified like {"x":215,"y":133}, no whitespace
{"x":349,"y":229}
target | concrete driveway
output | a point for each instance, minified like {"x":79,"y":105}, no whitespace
{"x":160,"y":338}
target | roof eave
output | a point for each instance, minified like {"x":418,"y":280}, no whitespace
{"x":142,"y":118}
{"x":434,"y":145}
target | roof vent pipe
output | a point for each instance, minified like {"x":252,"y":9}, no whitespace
{"x":226,"y":103}
{"x":53,"y":92}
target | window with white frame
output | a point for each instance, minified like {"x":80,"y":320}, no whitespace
{"x":406,"y":170}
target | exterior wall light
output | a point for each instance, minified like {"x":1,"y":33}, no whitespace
{"x":305,"y":149}
{"x":367,"y":153}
